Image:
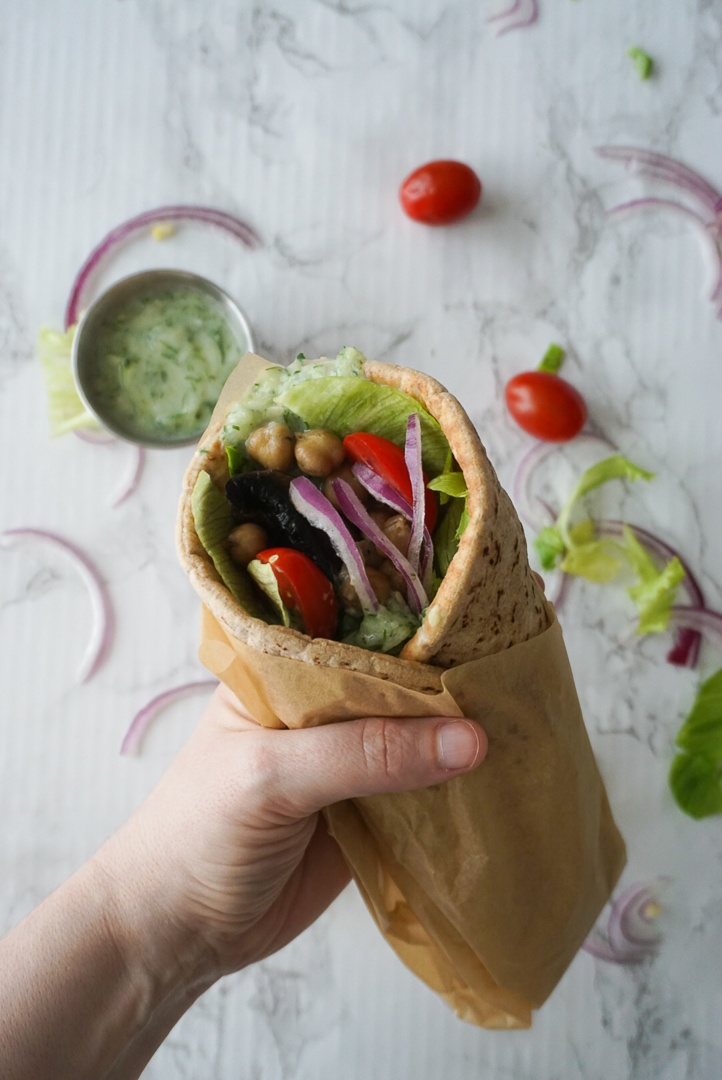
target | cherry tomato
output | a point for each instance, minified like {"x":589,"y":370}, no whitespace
{"x":440,"y":192}
{"x":387,"y":461}
{"x":546,"y":405}
{"x":304,"y":588}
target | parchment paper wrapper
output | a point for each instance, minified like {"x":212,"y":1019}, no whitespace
{"x":485,"y":885}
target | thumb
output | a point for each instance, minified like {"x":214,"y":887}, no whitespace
{"x":314,"y":767}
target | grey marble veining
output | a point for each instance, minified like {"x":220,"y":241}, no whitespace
{"x":304,"y":119}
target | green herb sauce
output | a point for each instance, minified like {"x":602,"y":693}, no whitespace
{"x":162,"y":361}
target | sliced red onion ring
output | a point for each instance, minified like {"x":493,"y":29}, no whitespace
{"x":204,"y":214}
{"x":142,"y":719}
{"x":98,"y":438}
{"x":632,"y":934}
{"x":704,"y":228}
{"x":384,"y":493}
{"x":700,"y":619}
{"x":524,"y":17}
{"x":412,"y":456}
{"x":662,"y":167}
{"x":357,"y":513}
{"x":131,"y":479}
{"x":317,"y":509}
{"x":526,"y":469}
{"x":102,"y":627}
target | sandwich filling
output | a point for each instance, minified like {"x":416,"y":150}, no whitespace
{"x":342,"y":506}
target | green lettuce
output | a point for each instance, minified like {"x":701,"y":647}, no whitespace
{"x":213,"y":519}
{"x":347,"y":405}
{"x":655,"y":593}
{"x":695,"y":776}
{"x":67,"y":411}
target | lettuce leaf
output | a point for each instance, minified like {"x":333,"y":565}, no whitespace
{"x":348,"y":404}
{"x":67,"y":412}
{"x":696,"y":783}
{"x":213,"y":519}
{"x":451,"y":484}
{"x":655,"y":593}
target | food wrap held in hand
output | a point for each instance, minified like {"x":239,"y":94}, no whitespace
{"x":485,"y":885}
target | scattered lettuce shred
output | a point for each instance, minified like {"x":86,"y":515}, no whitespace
{"x":576,"y":549}
{"x":66,"y":410}
{"x":695,"y":776}
{"x":642,"y":61}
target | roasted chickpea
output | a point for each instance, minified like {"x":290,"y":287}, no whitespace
{"x":272,"y":446}
{"x":395,"y":579}
{"x":379,"y":583}
{"x":380,"y":516}
{"x":344,"y":473}
{"x":245,"y":541}
{"x":318,"y":452}
{"x":369,"y":553}
{"x":398,"y":531}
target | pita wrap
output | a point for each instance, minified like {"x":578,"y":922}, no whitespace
{"x":485,"y":885}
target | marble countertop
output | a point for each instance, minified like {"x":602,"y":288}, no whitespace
{"x":303,"y":119}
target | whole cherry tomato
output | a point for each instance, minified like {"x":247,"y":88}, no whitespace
{"x":440,"y":192}
{"x":304,"y":588}
{"x":546,"y":406}
{"x":387,"y":461}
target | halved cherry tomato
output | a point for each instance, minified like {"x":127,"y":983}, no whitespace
{"x":387,"y":461}
{"x":304,"y":588}
{"x":546,"y":405}
{"x":440,"y":192}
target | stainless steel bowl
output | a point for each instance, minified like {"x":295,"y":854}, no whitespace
{"x":85,"y":355}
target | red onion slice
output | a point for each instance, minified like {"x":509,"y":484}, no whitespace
{"x":317,"y":509}
{"x":357,"y":513}
{"x":526,"y":469}
{"x":662,"y":167}
{"x":524,"y":17}
{"x":102,"y":626}
{"x":131,"y":479}
{"x":632,"y":934}
{"x":703,"y":227}
{"x":700,"y":619}
{"x":142,"y":719}
{"x":412,"y":456}
{"x":98,"y":438}
{"x":385,"y":494}
{"x":204,"y":214}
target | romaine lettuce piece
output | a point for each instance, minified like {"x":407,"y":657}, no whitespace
{"x":657,"y":589}
{"x":67,"y":412}
{"x":213,"y":520}
{"x":348,"y":404}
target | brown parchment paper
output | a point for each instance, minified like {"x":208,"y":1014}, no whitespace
{"x":486,"y":885}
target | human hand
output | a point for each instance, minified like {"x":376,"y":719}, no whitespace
{"x":229,"y":859}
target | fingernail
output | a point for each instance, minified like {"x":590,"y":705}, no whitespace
{"x":457,"y":744}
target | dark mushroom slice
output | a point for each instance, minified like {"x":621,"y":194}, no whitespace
{"x":262,"y":497}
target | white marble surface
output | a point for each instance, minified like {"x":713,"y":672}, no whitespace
{"x":303,"y":118}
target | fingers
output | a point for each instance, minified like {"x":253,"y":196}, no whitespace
{"x":295,"y":773}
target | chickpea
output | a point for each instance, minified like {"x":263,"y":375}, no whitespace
{"x":245,"y":541}
{"x":395,"y":579}
{"x":380,"y":517}
{"x":318,"y":452}
{"x":398,"y":531}
{"x":272,"y":446}
{"x":369,"y":553}
{"x":378,"y":582}
{"x":344,"y":473}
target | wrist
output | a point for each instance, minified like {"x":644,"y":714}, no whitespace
{"x":163,"y":957}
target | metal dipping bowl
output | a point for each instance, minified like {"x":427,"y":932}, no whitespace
{"x":85,"y":357}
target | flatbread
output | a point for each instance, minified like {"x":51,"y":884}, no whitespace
{"x":487,"y":601}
